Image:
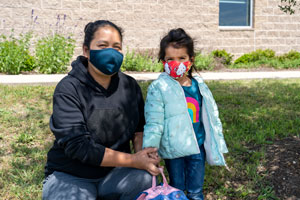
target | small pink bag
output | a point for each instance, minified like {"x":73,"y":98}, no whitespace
{"x":162,"y":192}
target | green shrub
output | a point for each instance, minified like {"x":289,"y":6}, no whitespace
{"x":140,"y":62}
{"x":286,"y":61}
{"x":204,"y":62}
{"x":250,"y":65}
{"x":14,"y":54}
{"x":291,"y":55}
{"x":285,"y":64}
{"x":255,"y":56}
{"x":225,"y":57}
{"x":53,"y":53}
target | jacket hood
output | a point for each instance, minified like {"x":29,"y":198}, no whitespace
{"x":80,"y":72}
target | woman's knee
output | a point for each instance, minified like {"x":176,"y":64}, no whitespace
{"x":64,"y":186}
{"x":140,"y":180}
{"x":127,"y":182}
{"x":143,"y":178}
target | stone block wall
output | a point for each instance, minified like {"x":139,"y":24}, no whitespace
{"x":146,"y":21}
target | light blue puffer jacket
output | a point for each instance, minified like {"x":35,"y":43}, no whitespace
{"x":169,"y":127}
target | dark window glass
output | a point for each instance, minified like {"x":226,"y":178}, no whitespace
{"x":235,"y":13}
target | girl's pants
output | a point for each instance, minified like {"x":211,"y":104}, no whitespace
{"x":121,"y":183}
{"x":187,"y":174}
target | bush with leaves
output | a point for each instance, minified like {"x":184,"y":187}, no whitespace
{"x":291,"y":55}
{"x":255,"y":56}
{"x":268,"y":59}
{"x":224,"y":57}
{"x":15,"y":55}
{"x":204,"y":62}
{"x":140,"y":62}
{"x":288,"y":60}
{"x":53,"y":53}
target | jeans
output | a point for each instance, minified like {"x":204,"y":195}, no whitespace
{"x":121,"y":183}
{"x":187,"y":174}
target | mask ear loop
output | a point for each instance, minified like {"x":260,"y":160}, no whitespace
{"x":192,"y":60}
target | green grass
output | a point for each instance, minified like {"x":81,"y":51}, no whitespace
{"x":272,"y":63}
{"x":24,"y":139}
{"x":253,"y":112}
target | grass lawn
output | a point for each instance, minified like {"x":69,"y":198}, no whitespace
{"x":254,"y":113}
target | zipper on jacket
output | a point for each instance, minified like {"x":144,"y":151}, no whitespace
{"x":214,"y":139}
{"x":187,"y":112}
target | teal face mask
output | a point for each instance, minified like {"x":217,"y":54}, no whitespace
{"x":107,"y":60}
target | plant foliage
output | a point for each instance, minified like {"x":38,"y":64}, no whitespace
{"x":140,"y":62}
{"x":53,"y":53}
{"x":225,"y":57}
{"x":288,"y":6}
{"x":15,"y":55}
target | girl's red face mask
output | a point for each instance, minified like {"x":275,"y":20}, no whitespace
{"x":176,"y":69}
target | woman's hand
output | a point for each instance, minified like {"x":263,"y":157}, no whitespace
{"x":139,"y":160}
{"x":142,"y":160}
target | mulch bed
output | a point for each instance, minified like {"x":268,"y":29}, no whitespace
{"x":283,"y":166}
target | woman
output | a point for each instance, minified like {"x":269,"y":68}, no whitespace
{"x":97,"y":110}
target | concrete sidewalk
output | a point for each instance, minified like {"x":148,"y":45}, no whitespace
{"x":55,"y":78}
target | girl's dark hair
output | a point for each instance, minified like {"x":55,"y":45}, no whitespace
{"x":177,"y":38}
{"x":92,"y":27}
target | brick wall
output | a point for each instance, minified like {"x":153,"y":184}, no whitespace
{"x":146,"y":21}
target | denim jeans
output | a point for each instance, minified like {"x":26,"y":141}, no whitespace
{"x":120,"y":184}
{"x":187,"y":174}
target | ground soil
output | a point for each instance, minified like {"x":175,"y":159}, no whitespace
{"x":283,"y":167}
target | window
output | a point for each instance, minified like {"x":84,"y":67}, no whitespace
{"x":235,"y":13}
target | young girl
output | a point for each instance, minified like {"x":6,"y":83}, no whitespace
{"x":182,"y":118}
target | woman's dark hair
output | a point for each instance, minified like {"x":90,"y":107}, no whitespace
{"x":92,"y":27}
{"x":177,"y":38}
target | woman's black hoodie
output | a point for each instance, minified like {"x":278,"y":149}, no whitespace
{"x":87,"y":118}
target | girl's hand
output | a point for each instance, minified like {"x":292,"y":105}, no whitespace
{"x":153,"y":155}
{"x":142,"y":160}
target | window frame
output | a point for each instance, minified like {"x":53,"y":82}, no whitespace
{"x":240,"y":27}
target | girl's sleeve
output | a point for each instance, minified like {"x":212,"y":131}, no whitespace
{"x":154,"y":115}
